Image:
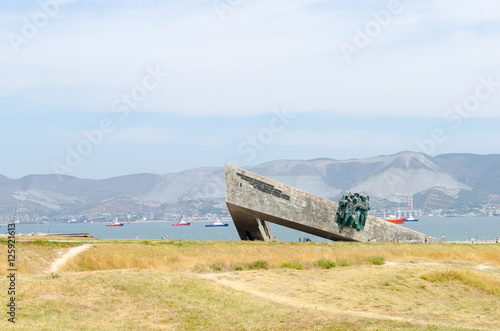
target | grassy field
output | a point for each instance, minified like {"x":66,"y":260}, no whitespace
{"x":185,"y":285}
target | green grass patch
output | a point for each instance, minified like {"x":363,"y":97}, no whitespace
{"x":324,"y":263}
{"x":293,"y":265}
{"x":216,"y":267}
{"x":377,"y":260}
{"x":343,"y":263}
{"x":260,"y":264}
{"x":49,"y":243}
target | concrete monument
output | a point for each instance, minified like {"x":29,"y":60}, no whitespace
{"x":254,"y":201}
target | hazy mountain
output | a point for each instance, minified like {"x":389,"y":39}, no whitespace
{"x":390,"y":178}
{"x":435,"y":182}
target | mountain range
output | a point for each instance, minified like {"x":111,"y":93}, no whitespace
{"x":436,"y":182}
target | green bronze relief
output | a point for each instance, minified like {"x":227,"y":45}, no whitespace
{"x":352,"y":211}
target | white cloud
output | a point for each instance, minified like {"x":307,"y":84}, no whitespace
{"x":264,"y":54}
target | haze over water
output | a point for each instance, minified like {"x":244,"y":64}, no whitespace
{"x":453,"y":228}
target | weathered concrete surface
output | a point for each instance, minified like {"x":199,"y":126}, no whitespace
{"x":254,"y":200}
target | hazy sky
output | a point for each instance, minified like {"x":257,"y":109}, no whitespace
{"x":102,"y":88}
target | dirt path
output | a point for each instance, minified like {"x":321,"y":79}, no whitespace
{"x":242,"y":286}
{"x":73,"y":251}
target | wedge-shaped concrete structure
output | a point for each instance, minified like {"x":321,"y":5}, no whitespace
{"x":254,"y":201}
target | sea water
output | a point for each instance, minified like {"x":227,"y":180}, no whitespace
{"x":453,"y":229}
{"x":157,"y":230}
{"x":458,"y":228}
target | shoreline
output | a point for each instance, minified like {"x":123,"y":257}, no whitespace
{"x":72,"y":236}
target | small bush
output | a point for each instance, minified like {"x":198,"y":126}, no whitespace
{"x":259,"y":265}
{"x":377,"y":260}
{"x":324,"y":263}
{"x":238,"y":268}
{"x":216,"y":267}
{"x":54,"y":276}
{"x":343,"y":263}
{"x":293,"y":265}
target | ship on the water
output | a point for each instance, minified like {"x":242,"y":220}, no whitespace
{"x":215,"y":224}
{"x":115,"y":223}
{"x":396,"y":220}
{"x":180,"y":223}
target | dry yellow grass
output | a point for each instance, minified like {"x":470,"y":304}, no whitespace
{"x":34,"y":255}
{"x":398,"y":293}
{"x":199,"y":256}
{"x":479,"y":280}
{"x":174,"y":285}
{"x":152,"y":300}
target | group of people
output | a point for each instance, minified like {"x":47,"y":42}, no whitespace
{"x":476,"y":239}
{"x":352,"y":211}
{"x":304,"y":239}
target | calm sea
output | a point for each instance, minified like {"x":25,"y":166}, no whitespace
{"x":453,"y":228}
{"x":458,"y":228}
{"x":157,"y":230}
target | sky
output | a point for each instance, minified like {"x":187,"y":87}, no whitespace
{"x":103,"y":88}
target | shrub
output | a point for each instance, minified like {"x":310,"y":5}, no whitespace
{"x":293,"y":265}
{"x":216,"y":267}
{"x":324,"y":263}
{"x":377,"y":260}
{"x":259,"y":265}
{"x":343,"y":263}
{"x":238,"y":268}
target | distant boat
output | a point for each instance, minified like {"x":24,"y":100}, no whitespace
{"x":115,"y":223}
{"x":411,"y":219}
{"x":216,"y":223}
{"x":182,"y":222}
{"x":397,"y":220}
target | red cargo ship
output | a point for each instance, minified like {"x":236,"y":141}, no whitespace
{"x":181,"y":223}
{"x":397,"y":220}
{"x":116,"y":223}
